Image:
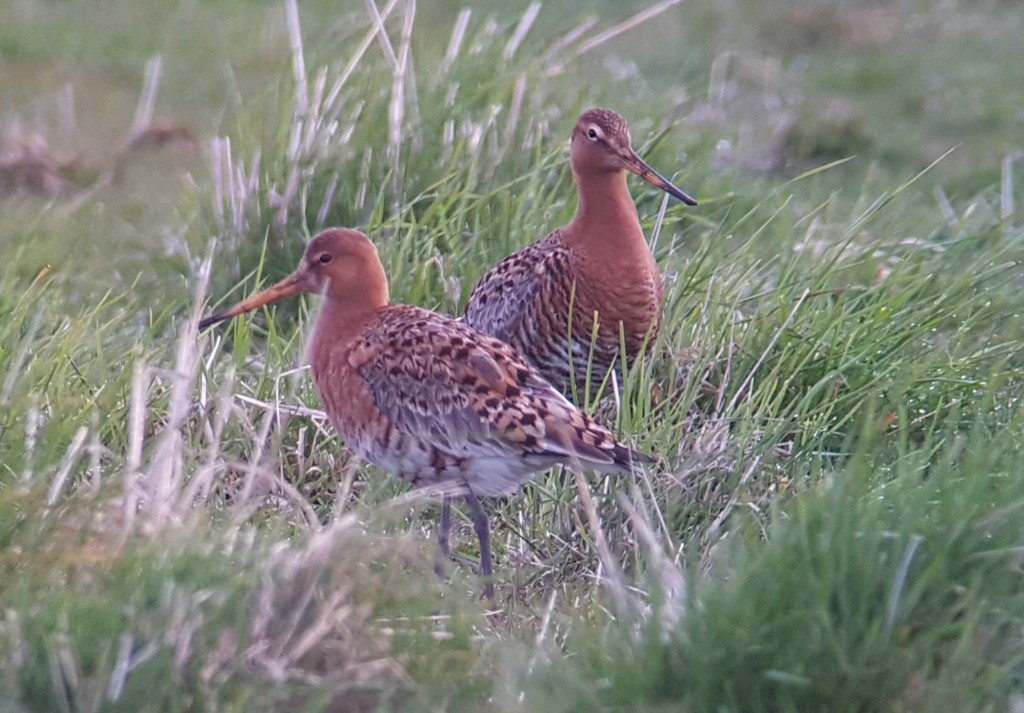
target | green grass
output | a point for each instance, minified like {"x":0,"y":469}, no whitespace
{"x":834,"y":401}
{"x":893,"y":591}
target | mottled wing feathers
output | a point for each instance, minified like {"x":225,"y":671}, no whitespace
{"x":502,"y":299}
{"x":472,"y":396}
{"x":569,"y":430}
{"x":415,"y":370}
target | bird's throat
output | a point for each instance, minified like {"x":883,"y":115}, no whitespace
{"x":605,"y":235}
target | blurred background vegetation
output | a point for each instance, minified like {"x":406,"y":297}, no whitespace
{"x":755,"y":93}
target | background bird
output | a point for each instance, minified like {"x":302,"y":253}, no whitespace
{"x":598,"y":268}
{"x":426,"y":397}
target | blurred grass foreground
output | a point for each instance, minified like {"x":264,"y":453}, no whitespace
{"x":833,"y":522}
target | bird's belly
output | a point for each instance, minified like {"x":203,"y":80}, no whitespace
{"x":424,"y":465}
{"x":548,"y":342}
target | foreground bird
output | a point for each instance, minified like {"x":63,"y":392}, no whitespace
{"x":598,"y":267}
{"x":426,"y":397}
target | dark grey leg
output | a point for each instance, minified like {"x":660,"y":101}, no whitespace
{"x":444,"y":530}
{"x":483,"y":533}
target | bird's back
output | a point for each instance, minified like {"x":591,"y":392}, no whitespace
{"x":527,"y":298}
{"x":433,"y":400}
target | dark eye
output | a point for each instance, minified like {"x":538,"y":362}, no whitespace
{"x":592,"y":133}
{"x":325,"y":258}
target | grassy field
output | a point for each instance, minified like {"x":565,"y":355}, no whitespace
{"x":833,"y":521}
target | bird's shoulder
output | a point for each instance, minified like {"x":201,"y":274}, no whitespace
{"x":410,"y":339}
{"x":416,"y":361}
{"x":503,"y":296}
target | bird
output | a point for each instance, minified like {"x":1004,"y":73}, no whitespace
{"x":597,"y":268}
{"x":426,"y":397}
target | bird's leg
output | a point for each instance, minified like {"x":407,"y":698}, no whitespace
{"x":483,"y":533}
{"x":444,"y":529}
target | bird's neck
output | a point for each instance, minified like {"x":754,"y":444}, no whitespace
{"x":606,"y":229}
{"x":337,"y":326}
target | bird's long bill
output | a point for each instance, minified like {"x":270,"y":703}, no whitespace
{"x":640,"y":167}
{"x":291,"y":285}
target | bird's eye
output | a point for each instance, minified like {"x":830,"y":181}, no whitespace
{"x":592,"y":133}
{"x":325,"y":258}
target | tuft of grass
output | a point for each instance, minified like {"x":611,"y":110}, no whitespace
{"x":863,"y":593}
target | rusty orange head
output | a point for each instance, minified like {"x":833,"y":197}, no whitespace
{"x":601,"y":143}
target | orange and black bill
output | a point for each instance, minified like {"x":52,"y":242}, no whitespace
{"x":640,"y":167}
{"x":285,"y":288}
